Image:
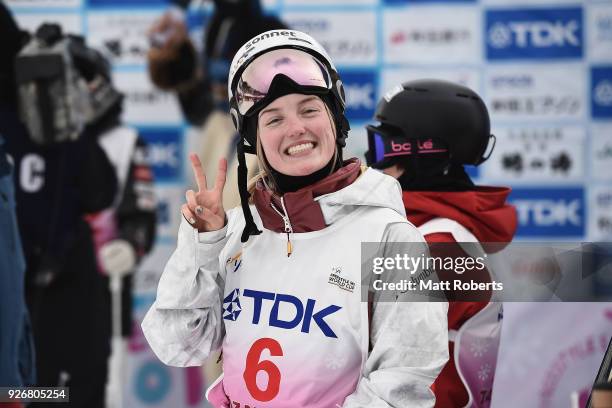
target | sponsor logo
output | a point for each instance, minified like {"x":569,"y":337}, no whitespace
{"x":234,"y":262}
{"x":605,"y":153}
{"x":430,"y":37}
{"x":599,"y":26}
{"x":604,"y":199}
{"x":405,"y":148}
{"x":604,"y":28}
{"x":604,"y":225}
{"x":348,"y":37}
{"x":265,"y":36}
{"x":424,"y":35}
{"x":231,"y":305}
{"x":163,"y":152}
{"x":534,"y":33}
{"x":539,"y":152}
{"x":335,"y":278}
{"x":601,"y":92}
{"x":537,"y":105}
{"x":147,"y":97}
{"x":311,"y":25}
{"x":543,"y":91}
{"x":305,"y":316}
{"x":143,"y":102}
{"x":360,"y":89}
{"x":549,"y":212}
{"x":519,"y":81}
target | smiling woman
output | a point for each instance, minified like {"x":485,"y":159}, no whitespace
{"x":256,"y":282}
{"x":296,"y":135}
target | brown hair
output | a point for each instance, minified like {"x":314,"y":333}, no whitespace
{"x":265,"y":168}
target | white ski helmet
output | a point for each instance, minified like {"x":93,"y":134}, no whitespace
{"x":274,"y":64}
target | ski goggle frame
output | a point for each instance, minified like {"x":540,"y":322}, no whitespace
{"x":256,"y":80}
{"x":386,"y":145}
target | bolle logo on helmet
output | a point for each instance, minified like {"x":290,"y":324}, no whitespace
{"x":265,"y":36}
{"x":422,"y":147}
{"x":401,"y":147}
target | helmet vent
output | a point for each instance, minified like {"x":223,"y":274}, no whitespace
{"x":463,"y":95}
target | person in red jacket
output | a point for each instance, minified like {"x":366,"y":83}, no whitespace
{"x":428,"y":131}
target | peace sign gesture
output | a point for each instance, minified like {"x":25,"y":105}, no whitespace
{"x":204,"y":208}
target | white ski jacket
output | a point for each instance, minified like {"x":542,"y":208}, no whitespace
{"x":294,"y":330}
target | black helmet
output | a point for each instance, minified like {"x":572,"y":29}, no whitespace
{"x":429,"y":118}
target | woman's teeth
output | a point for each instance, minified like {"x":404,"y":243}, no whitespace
{"x":300,"y":148}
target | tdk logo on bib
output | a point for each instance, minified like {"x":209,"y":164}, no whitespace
{"x":360,"y":88}
{"x":286,"y":311}
{"x":556,"y":212}
{"x":554,"y":33}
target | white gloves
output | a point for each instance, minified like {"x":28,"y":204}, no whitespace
{"x":117,"y":257}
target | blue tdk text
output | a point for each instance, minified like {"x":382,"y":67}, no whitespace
{"x":305,"y":316}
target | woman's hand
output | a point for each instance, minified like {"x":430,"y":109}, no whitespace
{"x":204,"y":208}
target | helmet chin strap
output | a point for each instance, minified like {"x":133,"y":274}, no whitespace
{"x":281,"y":85}
{"x":250,"y":228}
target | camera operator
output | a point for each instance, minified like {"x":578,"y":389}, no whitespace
{"x":61,"y":174}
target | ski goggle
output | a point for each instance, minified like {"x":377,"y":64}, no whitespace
{"x":299,"y":66}
{"x":386,"y":145}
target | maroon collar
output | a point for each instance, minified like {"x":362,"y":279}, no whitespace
{"x":304,"y":213}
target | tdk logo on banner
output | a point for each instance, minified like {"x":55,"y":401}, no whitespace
{"x":360,"y":89}
{"x":601,"y":92}
{"x":553,"y":33}
{"x":304,"y":316}
{"x":557,"y":212}
{"x":164,"y":150}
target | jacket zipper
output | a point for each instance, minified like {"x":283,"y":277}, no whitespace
{"x":288,"y":228}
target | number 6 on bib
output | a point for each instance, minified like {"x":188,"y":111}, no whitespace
{"x":253,"y":366}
